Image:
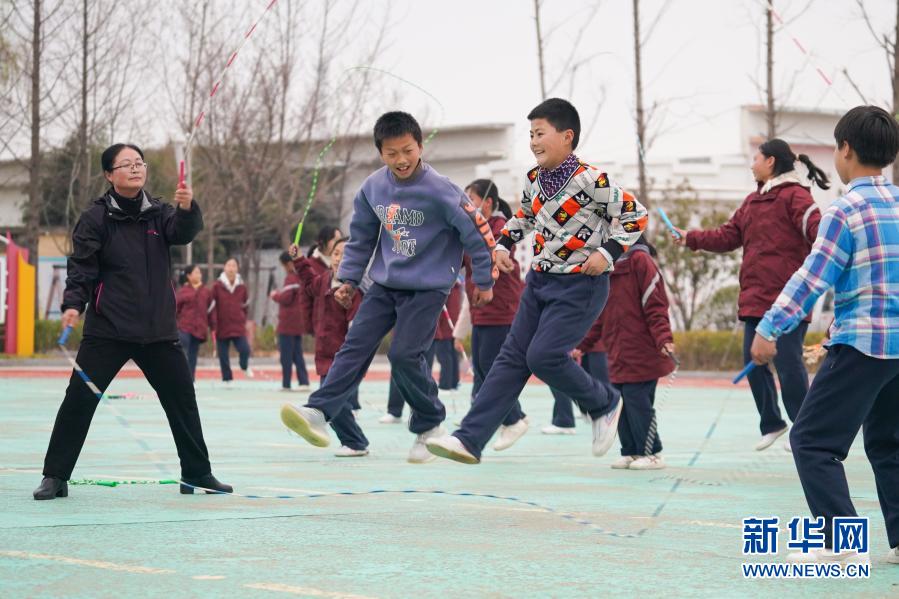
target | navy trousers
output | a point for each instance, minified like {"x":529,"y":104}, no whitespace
{"x":291,"y":349}
{"x":486,"y":341}
{"x":554,"y":315}
{"x":344,"y":425}
{"x":446,"y":355}
{"x":595,"y":363}
{"x":791,"y":373}
{"x":850,"y":391}
{"x":191,"y":347}
{"x":395,"y":399}
{"x":413,"y":317}
{"x":243,"y":350}
{"x":636,"y":417}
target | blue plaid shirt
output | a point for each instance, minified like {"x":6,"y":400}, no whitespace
{"x":857,"y":252}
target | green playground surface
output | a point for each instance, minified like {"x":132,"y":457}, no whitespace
{"x":542,"y":519}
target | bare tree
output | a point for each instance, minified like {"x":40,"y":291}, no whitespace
{"x":888,"y":42}
{"x":572,"y":64}
{"x":645,"y":119}
{"x":540,"y":63}
{"x":257,"y":145}
{"x":640,"y":113}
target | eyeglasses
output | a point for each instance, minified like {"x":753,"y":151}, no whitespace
{"x":132,"y":166}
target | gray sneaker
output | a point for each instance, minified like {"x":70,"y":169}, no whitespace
{"x":308,"y":423}
{"x":605,"y":429}
{"x":419,"y":453}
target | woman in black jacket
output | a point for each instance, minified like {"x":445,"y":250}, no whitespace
{"x":119,"y":271}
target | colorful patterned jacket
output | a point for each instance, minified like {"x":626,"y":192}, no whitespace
{"x":590,"y":213}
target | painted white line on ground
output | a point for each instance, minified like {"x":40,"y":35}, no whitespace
{"x":201,"y":577}
{"x":86,"y":562}
{"x":307,"y":591}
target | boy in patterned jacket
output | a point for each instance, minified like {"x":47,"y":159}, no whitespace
{"x":583,"y":223}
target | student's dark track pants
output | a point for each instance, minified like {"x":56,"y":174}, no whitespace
{"x":791,"y":373}
{"x":554,"y":315}
{"x":413,"y":317}
{"x":290,"y":348}
{"x":595,"y":363}
{"x":850,"y":391}
{"x":636,"y":418}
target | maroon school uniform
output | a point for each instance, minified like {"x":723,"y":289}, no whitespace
{"x":290,"y":299}
{"x":330,"y":320}
{"x":192,"y":310}
{"x":634,"y":325}
{"x":229,"y":308}
{"x":506,"y":291}
{"x":776,"y":230}
{"x":318,"y":266}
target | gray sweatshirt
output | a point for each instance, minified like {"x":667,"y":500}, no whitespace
{"x":417,"y":229}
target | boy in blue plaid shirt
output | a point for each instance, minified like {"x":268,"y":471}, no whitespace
{"x":857,"y":253}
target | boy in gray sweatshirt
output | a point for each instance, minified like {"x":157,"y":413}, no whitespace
{"x":412,"y":224}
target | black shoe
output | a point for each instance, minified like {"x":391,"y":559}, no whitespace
{"x":209,"y":483}
{"x":51,"y":488}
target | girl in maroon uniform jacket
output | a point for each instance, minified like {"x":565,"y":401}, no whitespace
{"x":230,"y":301}
{"x":491,"y":323}
{"x":330,"y":323}
{"x":776,"y":226}
{"x":636,"y":331}
{"x":291,"y":325}
{"x":193,"y":304}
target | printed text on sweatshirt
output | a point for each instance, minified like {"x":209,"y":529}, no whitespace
{"x":417,"y":229}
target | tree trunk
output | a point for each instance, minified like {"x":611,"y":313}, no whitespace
{"x":84,"y":157}
{"x":32,"y":213}
{"x":540,"y":50}
{"x":770,"y":112}
{"x":210,"y":254}
{"x":643,"y":190}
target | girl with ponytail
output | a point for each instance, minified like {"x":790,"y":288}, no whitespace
{"x":776,"y":226}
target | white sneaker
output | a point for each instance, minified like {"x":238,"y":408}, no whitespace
{"x":508,"y":435}
{"x":249,"y":373}
{"x":308,"y":423}
{"x":827,"y":556}
{"x":624,"y":462}
{"x":451,"y":448}
{"x":648,"y":462}
{"x":304,"y":388}
{"x":552,"y":429}
{"x":893,"y":556}
{"x":228,"y":384}
{"x":390,"y":419}
{"x":286,"y":390}
{"x":419,"y":453}
{"x":787,"y":446}
{"x":769,"y":439}
{"x":349,"y":452}
{"x":605,"y":429}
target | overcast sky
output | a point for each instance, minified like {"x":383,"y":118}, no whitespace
{"x":704,"y":57}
